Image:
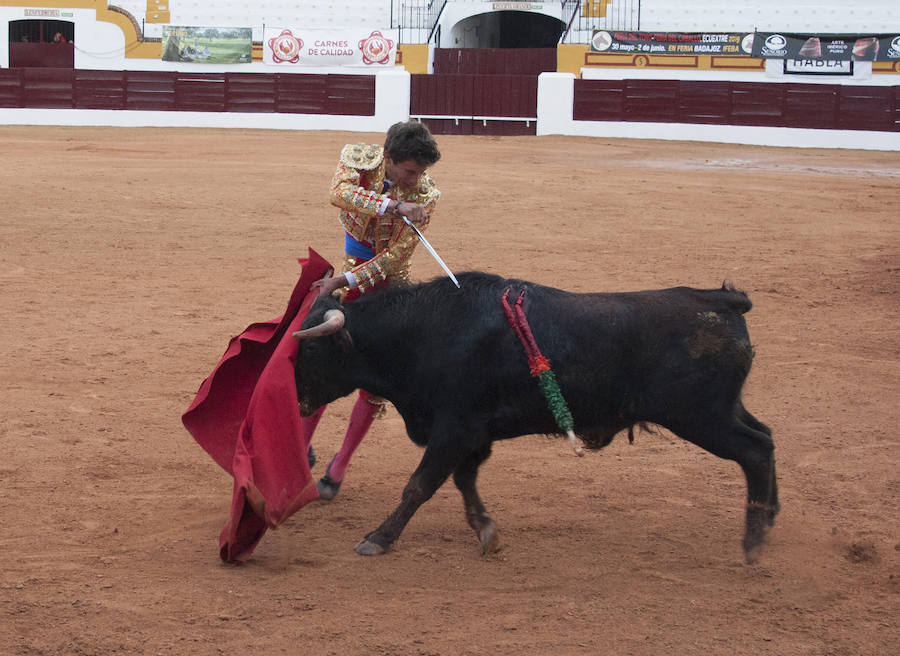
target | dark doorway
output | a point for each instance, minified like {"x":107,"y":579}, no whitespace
{"x":522,"y":29}
{"x":41,"y":44}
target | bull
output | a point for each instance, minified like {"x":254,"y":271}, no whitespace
{"x":456,"y":372}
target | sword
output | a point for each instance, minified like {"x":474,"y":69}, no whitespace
{"x":433,"y":252}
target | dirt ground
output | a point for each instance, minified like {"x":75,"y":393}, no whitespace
{"x":131,"y":256}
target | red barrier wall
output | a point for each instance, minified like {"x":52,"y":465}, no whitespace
{"x":494,"y":61}
{"x":66,"y":88}
{"x":795,"y":105}
{"x":475,"y":95}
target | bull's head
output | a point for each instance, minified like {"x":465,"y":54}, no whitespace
{"x":325,"y":344}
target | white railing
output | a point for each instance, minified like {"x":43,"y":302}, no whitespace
{"x":416,"y":20}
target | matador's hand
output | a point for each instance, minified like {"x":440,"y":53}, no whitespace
{"x":412,"y":211}
{"x":327,"y":285}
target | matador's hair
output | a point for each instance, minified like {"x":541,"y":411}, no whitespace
{"x":411,"y":140}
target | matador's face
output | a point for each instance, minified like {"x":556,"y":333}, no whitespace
{"x":403,"y":174}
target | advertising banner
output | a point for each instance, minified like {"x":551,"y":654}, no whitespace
{"x":671,"y":43}
{"x":326,"y":47}
{"x":207,"y":45}
{"x":827,"y":47}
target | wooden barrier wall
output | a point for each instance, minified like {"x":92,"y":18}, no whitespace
{"x":794,"y":105}
{"x":62,"y":88}
{"x":466,"y":97}
{"x":494,"y":61}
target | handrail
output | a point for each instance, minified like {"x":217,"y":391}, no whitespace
{"x":562,"y":37}
{"x":435,"y":23}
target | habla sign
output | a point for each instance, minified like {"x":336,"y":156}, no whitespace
{"x":818,"y":66}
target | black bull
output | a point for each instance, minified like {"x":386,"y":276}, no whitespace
{"x":457,"y":373}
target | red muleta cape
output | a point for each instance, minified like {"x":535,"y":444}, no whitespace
{"x":245,"y":415}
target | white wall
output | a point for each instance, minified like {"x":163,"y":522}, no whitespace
{"x":256,"y":13}
{"x":818,"y":16}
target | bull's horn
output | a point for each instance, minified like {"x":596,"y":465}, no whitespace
{"x":333,"y":322}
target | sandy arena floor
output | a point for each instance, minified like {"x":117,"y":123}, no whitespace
{"x":131,"y":256}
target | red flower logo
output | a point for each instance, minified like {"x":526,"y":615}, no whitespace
{"x":376,"y":49}
{"x":285,"y":48}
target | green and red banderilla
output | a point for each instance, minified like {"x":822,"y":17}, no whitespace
{"x":540,"y":369}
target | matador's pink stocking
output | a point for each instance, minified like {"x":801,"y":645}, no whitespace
{"x":360,"y":420}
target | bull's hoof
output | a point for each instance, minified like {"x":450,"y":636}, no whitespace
{"x":772,"y":514}
{"x":367,"y":548}
{"x":756,"y":529}
{"x":311,"y":457}
{"x":489,"y":537}
{"x":752,"y":554}
{"x":753,"y":546}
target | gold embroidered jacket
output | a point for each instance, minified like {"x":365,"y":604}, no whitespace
{"x":356,"y":190}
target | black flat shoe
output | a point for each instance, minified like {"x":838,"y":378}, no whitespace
{"x":328,"y":487}
{"x":311,"y":456}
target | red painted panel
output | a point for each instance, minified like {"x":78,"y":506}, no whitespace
{"x":494,"y":61}
{"x":650,"y":100}
{"x":349,"y":95}
{"x":505,"y":95}
{"x":11,"y":88}
{"x":41,"y":55}
{"x":442,"y":61}
{"x":599,"y":100}
{"x":99,"y":89}
{"x":297,"y":93}
{"x":48,"y":87}
{"x":810,"y":106}
{"x":866,"y":108}
{"x":250,"y":92}
{"x":704,"y":102}
{"x":530,"y":61}
{"x":326,"y":94}
{"x":504,"y":128}
{"x":756,"y":104}
{"x":450,"y":95}
{"x":204,"y":92}
{"x":449,"y":126}
{"x":896,"y":105}
{"x":150,"y":90}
